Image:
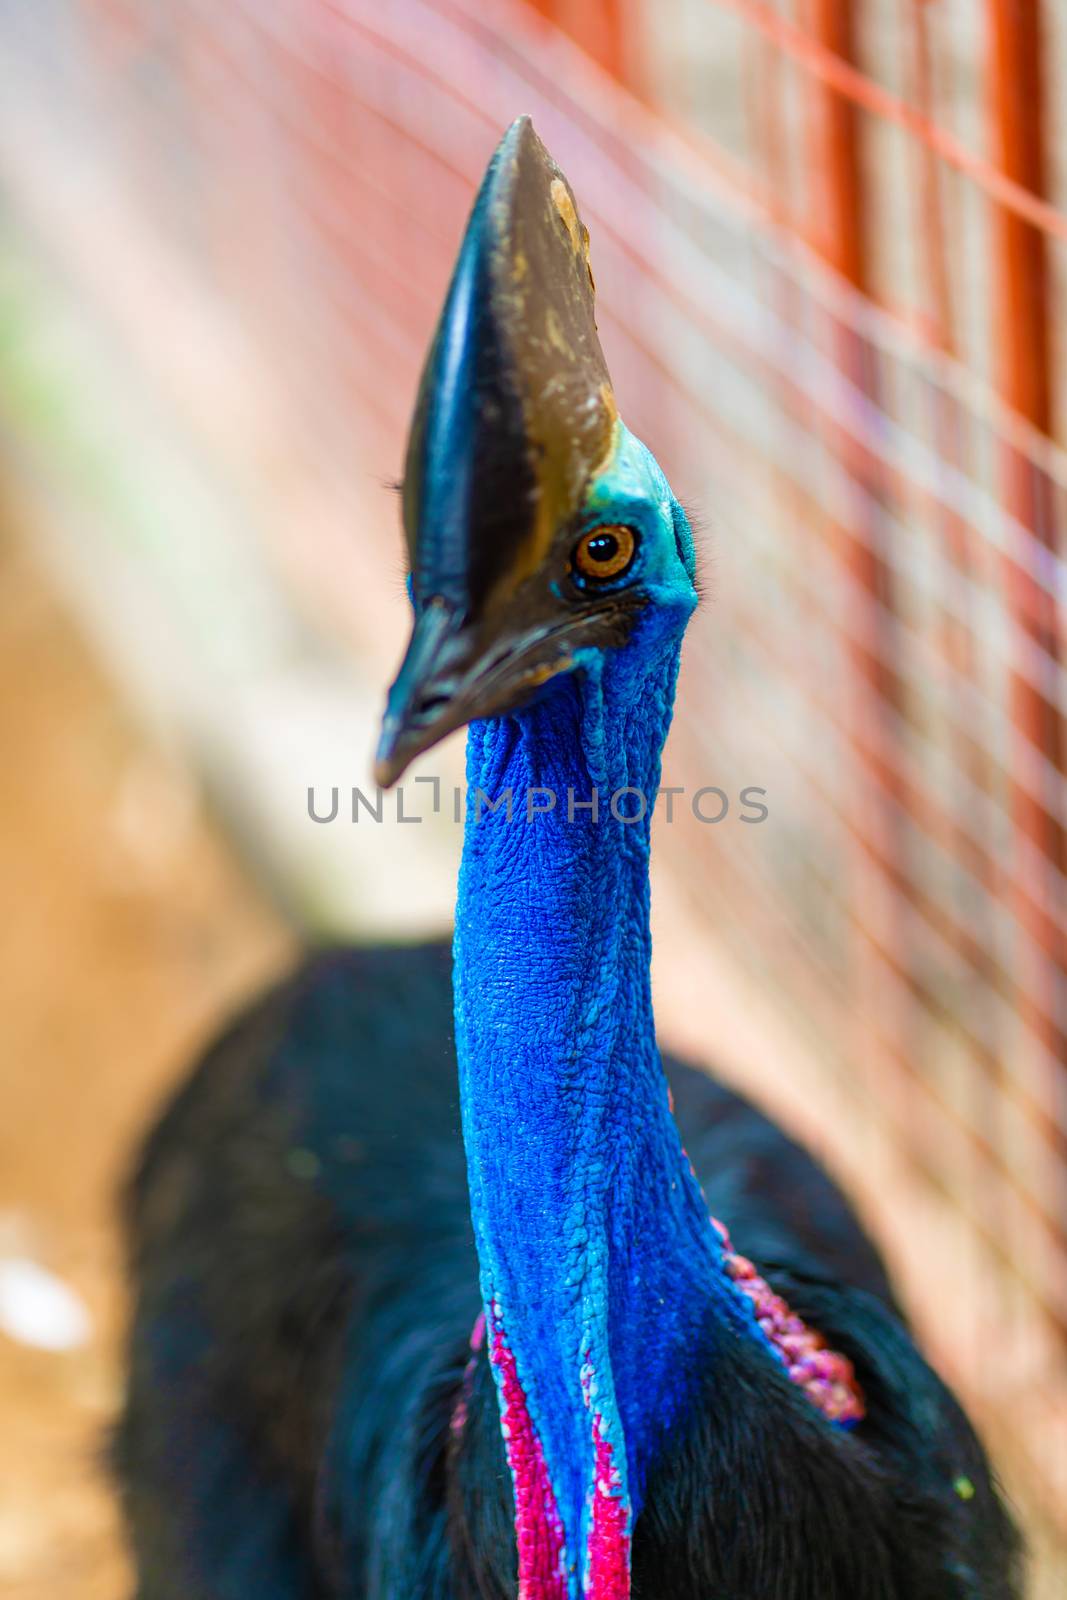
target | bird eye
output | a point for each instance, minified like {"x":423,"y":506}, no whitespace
{"x":605,"y":552}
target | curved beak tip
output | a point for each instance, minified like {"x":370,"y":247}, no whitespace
{"x":389,"y":762}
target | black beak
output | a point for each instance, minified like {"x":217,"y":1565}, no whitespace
{"x":514,"y":418}
{"x":447,"y":679}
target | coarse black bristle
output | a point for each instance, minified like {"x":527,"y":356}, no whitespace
{"x":700,"y":528}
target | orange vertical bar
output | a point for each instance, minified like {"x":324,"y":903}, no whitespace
{"x":599,"y":26}
{"x":1017,"y":107}
{"x":841,"y":233}
{"x":1023,"y":343}
{"x":878,"y":883}
{"x":1024,"y":348}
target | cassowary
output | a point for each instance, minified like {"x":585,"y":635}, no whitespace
{"x":448,"y":1287}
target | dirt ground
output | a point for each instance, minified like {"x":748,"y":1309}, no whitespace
{"x":128,"y":930}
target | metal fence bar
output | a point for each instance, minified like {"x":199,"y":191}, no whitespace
{"x":1023,"y":322}
{"x":823,"y":61}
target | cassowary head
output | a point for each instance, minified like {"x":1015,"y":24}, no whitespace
{"x":538,"y":528}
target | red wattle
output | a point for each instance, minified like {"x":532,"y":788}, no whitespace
{"x":538,"y":1528}
{"x":609,"y":1536}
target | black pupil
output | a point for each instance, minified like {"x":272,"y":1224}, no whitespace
{"x":602,"y":547}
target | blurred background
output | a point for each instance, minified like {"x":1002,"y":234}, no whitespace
{"x":830,"y":243}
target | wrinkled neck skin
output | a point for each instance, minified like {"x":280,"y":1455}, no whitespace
{"x":599,"y":1265}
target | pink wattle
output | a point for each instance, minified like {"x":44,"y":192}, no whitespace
{"x":459,"y":1414}
{"x":608,"y":1551}
{"x":826,"y":1376}
{"x":538,"y":1528}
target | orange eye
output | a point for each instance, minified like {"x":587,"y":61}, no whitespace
{"x":605,"y":552}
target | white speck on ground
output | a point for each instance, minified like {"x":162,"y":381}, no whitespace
{"x":39,"y":1309}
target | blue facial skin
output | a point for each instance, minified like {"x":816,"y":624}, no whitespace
{"x":592,"y":1234}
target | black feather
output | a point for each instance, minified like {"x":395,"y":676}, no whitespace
{"x":306,"y":1288}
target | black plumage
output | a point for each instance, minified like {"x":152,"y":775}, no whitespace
{"x":307,"y":1285}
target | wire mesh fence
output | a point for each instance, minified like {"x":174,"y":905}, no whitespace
{"x":829,"y":250}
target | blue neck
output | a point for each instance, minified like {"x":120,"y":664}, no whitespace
{"x":592,"y":1234}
